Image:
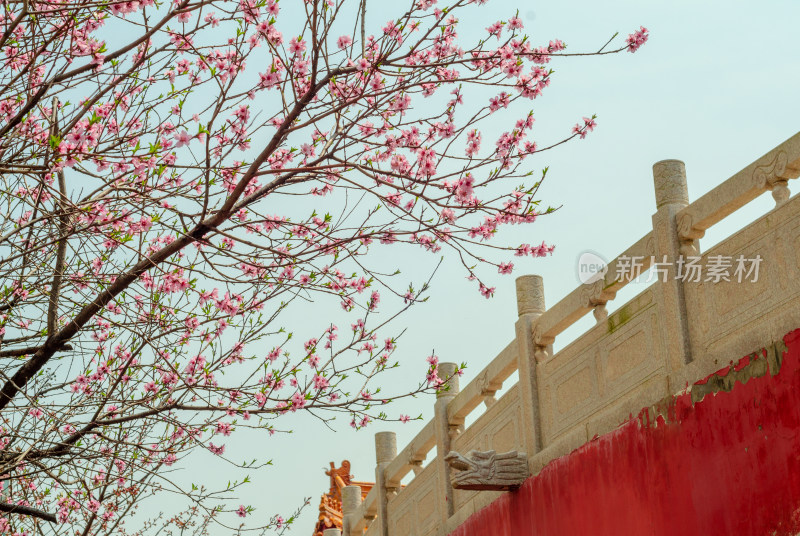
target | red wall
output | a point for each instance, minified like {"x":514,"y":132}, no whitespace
{"x":727,"y":465}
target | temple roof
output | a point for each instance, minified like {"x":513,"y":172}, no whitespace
{"x":330,"y":506}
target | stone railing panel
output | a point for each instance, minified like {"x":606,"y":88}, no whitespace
{"x":414,"y":511}
{"x":732,"y":316}
{"x":498,"y":429}
{"x":606,"y":362}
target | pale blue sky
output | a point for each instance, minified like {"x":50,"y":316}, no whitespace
{"x":717,"y":85}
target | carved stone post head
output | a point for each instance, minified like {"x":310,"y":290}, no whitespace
{"x":385,"y":447}
{"x":530,"y":294}
{"x":448,"y":371}
{"x":670,"y":183}
{"x":351,"y":499}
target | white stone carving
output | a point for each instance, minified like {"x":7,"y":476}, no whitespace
{"x":764,"y":176}
{"x":781,"y":192}
{"x":488,"y":470}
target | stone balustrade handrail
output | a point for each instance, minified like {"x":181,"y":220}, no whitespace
{"x":412,"y":455}
{"x":484,"y":386}
{"x":585,"y":298}
{"x":551,"y":323}
{"x":369,"y":507}
{"x":771,"y":172}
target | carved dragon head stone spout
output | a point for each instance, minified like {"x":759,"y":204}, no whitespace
{"x":488,"y":470}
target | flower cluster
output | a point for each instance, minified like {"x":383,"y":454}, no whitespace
{"x":178,"y":175}
{"x":637,"y":39}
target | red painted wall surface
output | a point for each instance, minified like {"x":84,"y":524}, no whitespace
{"x":727,"y":465}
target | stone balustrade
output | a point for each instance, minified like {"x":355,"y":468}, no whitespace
{"x":674,"y":333}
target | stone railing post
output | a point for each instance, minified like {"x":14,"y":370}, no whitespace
{"x":530,"y":306}
{"x":351,"y":503}
{"x":670,"y":252}
{"x":331,"y":532}
{"x":444,"y":435}
{"x":385,"y":452}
